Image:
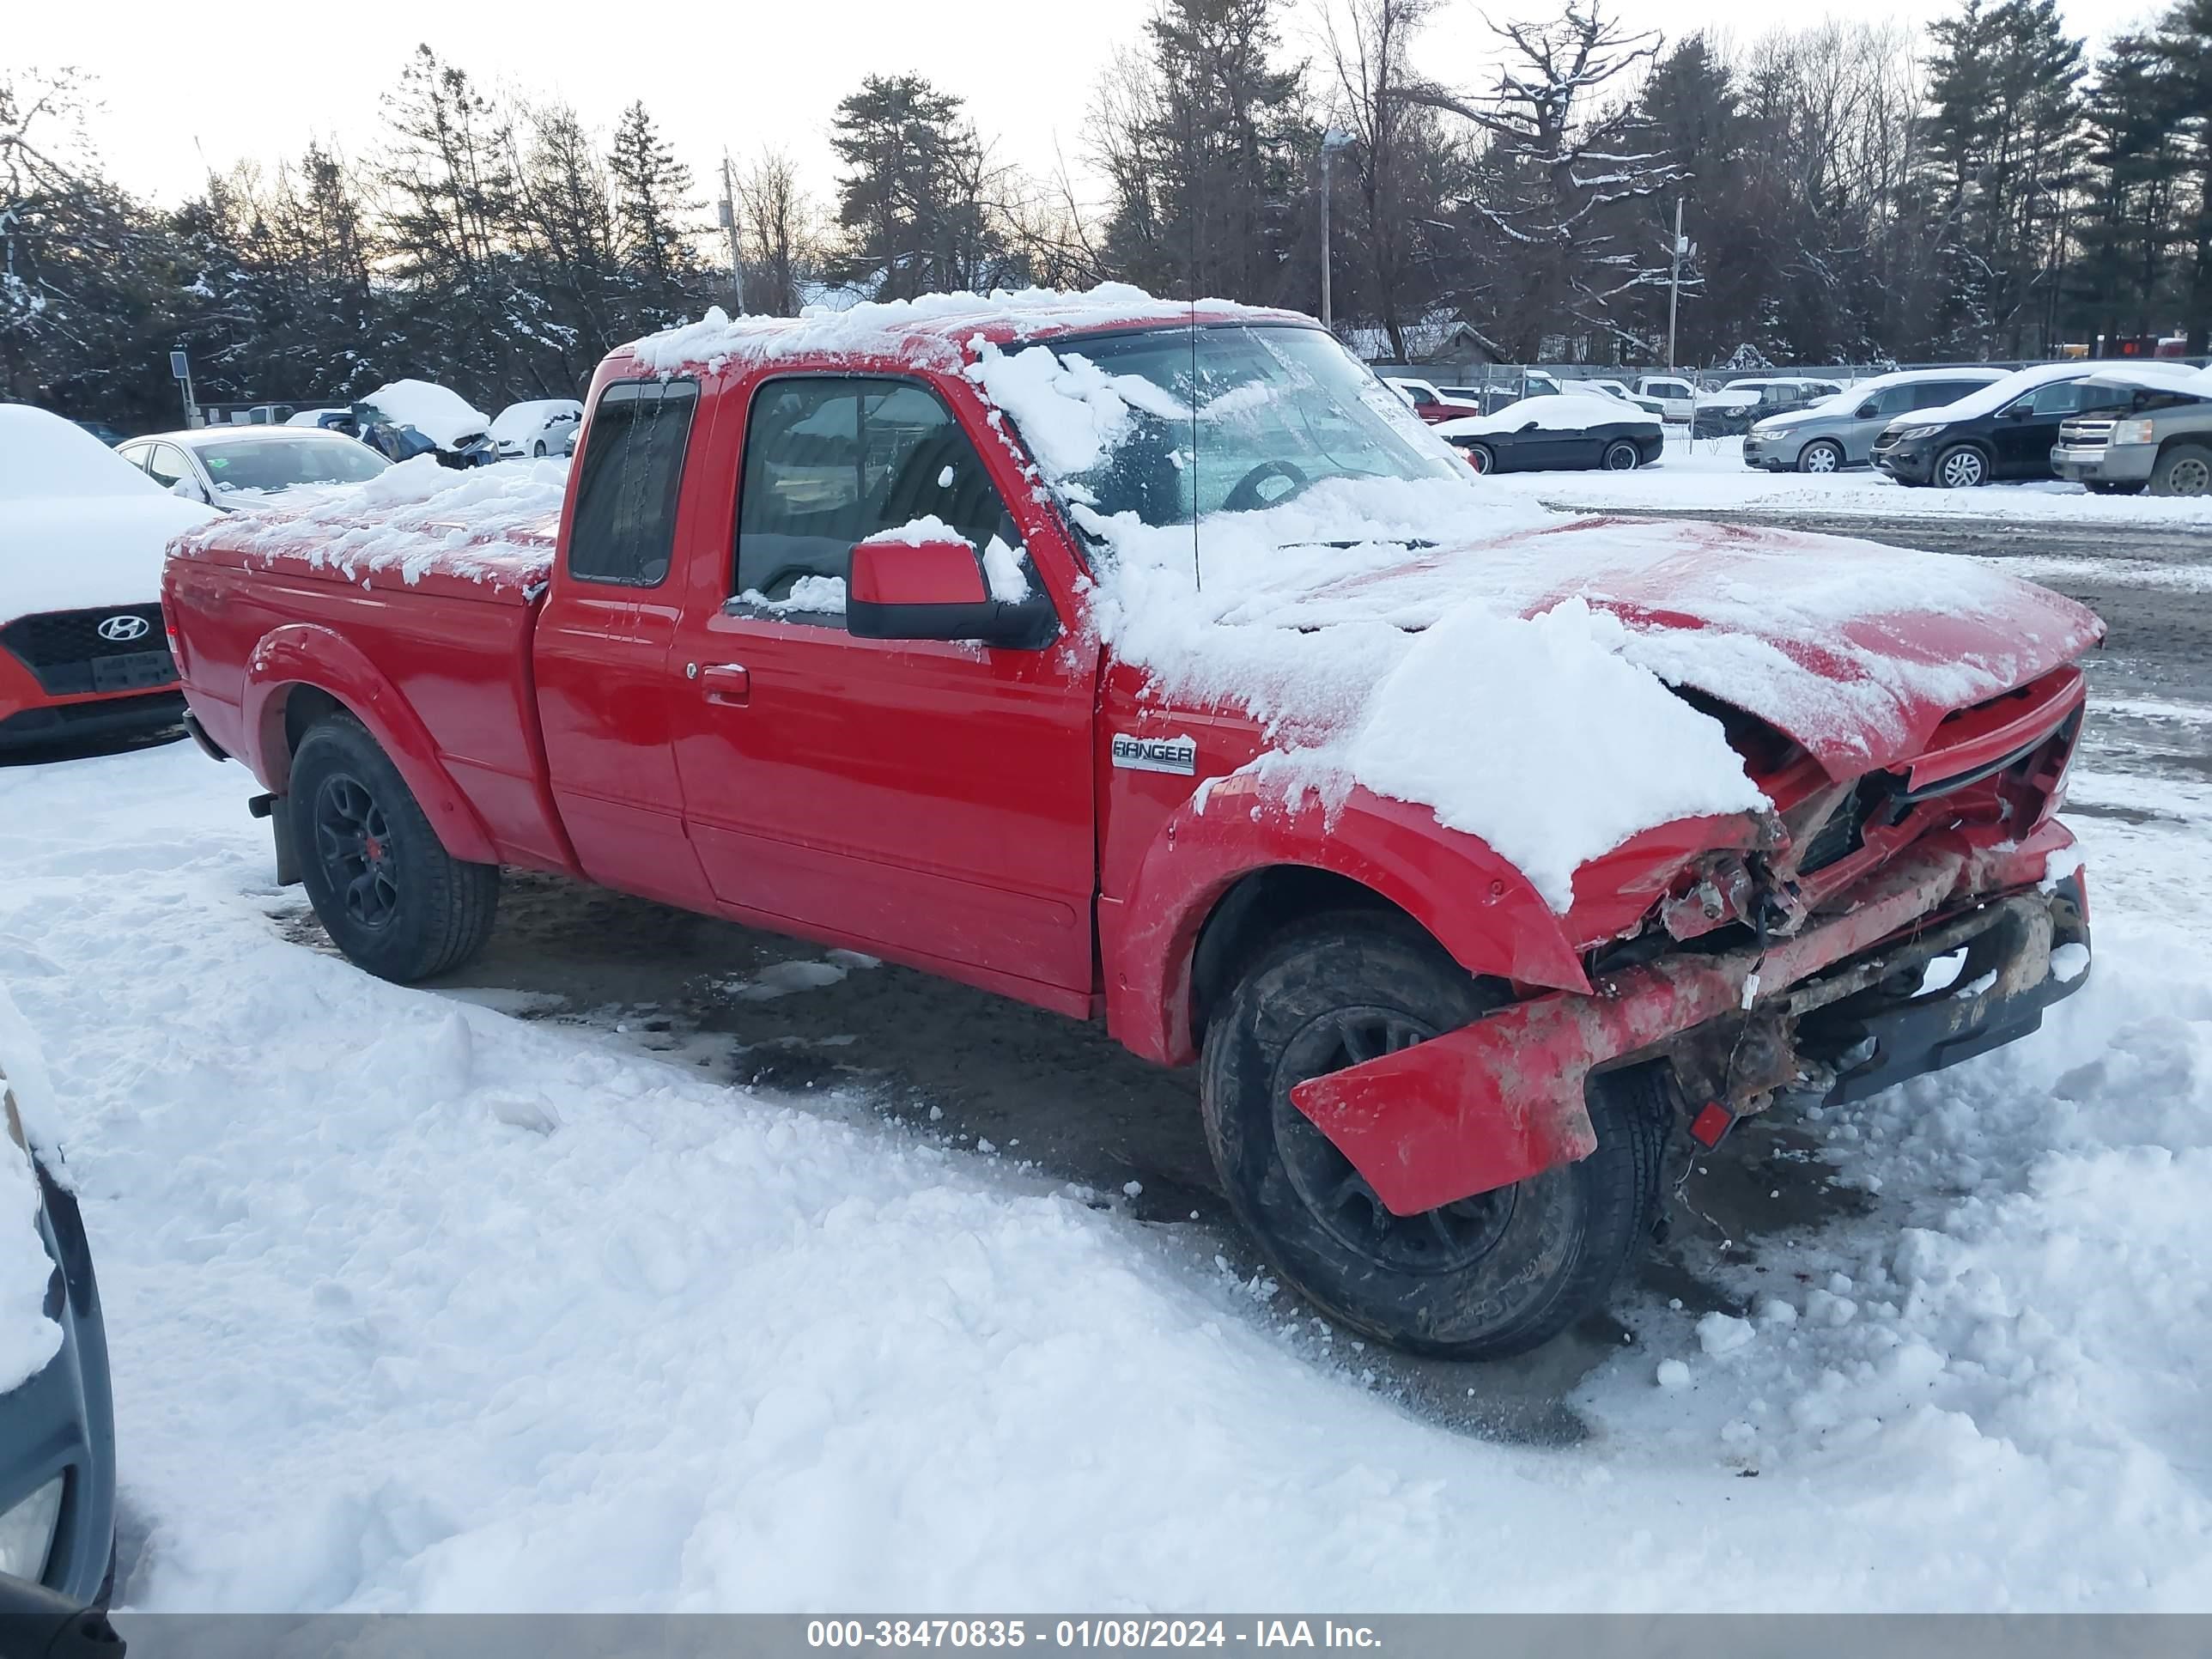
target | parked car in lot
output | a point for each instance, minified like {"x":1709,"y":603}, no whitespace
{"x":541,"y":427}
{"x":329,"y":419}
{"x":229,"y":467}
{"x":1562,"y":432}
{"x":2157,"y":438}
{"x":1621,"y":390}
{"x":1430,"y":404}
{"x":1839,"y":430}
{"x":56,"y":1406}
{"x":1009,"y":678}
{"x":407,"y":418}
{"x":1675,"y":394}
{"x":2008,"y":428}
{"x":83,"y":650}
{"x":108,"y":434}
{"x":1736,"y":406}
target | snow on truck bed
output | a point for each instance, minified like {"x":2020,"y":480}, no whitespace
{"x":494,"y":527}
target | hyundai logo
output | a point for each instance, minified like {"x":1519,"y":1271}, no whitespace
{"x":119,"y":628}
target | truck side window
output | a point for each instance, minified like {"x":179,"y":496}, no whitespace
{"x":625,"y":525}
{"x":831,"y":460}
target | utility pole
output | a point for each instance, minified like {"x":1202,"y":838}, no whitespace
{"x":180,"y":367}
{"x":1331,"y":142}
{"x":729,"y":217}
{"x":1675,"y":282}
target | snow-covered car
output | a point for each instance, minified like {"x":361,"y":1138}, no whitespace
{"x":1558,"y":432}
{"x":236,"y":466}
{"x":1839,"y":430}
{"x":82,"y":648}
{"x":540,"y":427}
{"x":334,"y":418}
{"x":406,"y":418}
{"x":57,"y":1407}
{"x":2007,"y":430}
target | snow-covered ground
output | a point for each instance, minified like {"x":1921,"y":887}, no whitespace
{"x":1707,"y":475}
{"x":414,"y":1304}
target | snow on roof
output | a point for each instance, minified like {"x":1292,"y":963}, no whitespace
{"x":1551,"y":411}
{"x":439,"y":413}
{"x":1988,"y":399}
{"x":495,"y":527}
{"x":934,"y":329}
{"x":42,"y":455}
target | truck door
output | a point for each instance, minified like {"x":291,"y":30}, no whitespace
{"x":930,"y":801}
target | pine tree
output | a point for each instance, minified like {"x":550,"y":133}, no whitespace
{"x":912,"y":200}
{"x":653,"y":212}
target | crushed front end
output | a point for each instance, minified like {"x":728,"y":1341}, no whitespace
{"x":1870,"y":930}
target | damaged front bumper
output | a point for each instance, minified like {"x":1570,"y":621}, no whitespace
{"x":1835,"y":1010}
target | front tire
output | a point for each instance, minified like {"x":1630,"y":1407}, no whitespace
{"x":1481,"y":457}
{"x":1620,"y":456}
{"x":1962,"y":466}
{"x":2184,"y":469}
{"x":385,"y":890}
{"x":1822,"y":455}
{"x":537,"y":450}
{"x":1482,"y":1278}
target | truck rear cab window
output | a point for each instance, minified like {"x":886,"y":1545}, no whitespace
{"x":624,"y":530}
{"x":831,"y":460}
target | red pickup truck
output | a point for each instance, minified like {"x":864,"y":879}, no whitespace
{"x":1154,"y":665}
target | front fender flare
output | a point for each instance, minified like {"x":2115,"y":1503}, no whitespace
{"x":309,"y":654}
{"x":1477,"y":905}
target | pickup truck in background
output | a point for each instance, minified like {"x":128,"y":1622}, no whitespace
{"x":941,"y":631}
{"x":2154,"y":438}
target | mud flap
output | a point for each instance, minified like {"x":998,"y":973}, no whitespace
{"x":271,"y":807}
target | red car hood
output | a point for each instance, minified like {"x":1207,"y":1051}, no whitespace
{"x":1855,"y":650}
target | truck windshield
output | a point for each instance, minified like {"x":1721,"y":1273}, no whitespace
{"x":1239,"y":417}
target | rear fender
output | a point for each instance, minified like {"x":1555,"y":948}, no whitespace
{"x":1475,"y":903}
{"x":307,"y":654}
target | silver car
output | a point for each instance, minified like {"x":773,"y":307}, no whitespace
{"x":1839,"y":431}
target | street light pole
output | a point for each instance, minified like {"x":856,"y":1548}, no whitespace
{"x":1674,"y":282}
{"x":1331,"y":142}
{"x":729,"y":217}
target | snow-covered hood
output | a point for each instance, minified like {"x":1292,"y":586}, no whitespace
{"x":1854,"y":650}
{"x":78,"y":552}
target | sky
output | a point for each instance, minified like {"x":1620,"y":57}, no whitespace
{"x":187,"y":90}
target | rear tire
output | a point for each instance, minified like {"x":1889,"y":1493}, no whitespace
{"x":1620,"y":456}
{"x":1481,"y":457}
{"x":1487,"y":1277}
{"x":386,"y":890}
{"x":2183,"y":469}
{"x":537,"y":450}
{"x":1962,"y":466}
{"x":1822,"y":455}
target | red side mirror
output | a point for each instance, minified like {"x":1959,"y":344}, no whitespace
{"x":916,"y":573}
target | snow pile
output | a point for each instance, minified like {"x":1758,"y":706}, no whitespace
{"x":494,"y":525}
{"x":28,"y":1339}
{"x":439,"y":413}
{"x":417,"y":1306}
{"x":79,"y":526}
{"x":1564,"y":411}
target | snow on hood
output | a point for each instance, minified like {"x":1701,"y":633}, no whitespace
{"x":1987,"y":400}
{"x":439,"y":413}
{"x":1550,"y":412}
{"x":1858,"y":392}
{"x":493,"y":525}
{"x":1510,"y":668}
{"x":28,"y":1339}
{"x":80,"y":527}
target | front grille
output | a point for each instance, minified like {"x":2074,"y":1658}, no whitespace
{"x":2087,"y":433}
{"x":69,"y":656}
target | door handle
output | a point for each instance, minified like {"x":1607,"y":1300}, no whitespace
{"x":726,"y":683}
